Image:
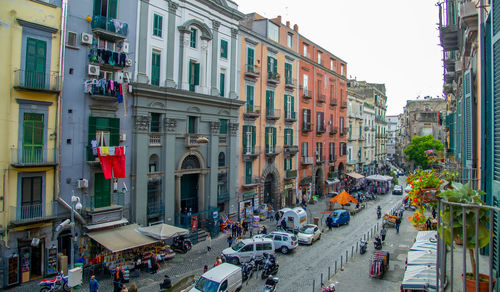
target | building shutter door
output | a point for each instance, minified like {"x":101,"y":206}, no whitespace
{"x":245,"y":143}
{"x":274,"y":137}
{"x":468,"y":118}
{"x":112,"y":8}
{"x":36,"y":51}
{"x":250,"y":53}
{"x":253,"y":138}
{"x":196,"y":73}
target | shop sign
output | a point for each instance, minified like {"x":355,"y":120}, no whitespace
{"x":248,"y":195}
{"x":215,"y":214}
{"x":194,"y":223}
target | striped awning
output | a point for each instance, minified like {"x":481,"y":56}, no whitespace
{"x":418,"y":257}
{"x":420,"y":277}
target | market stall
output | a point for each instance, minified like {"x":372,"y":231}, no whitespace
{"x":379,"y":183}
{"x":379,"y":264}
{"x":341,"y":199}
{"x":419,"y":278}
{"x":163,"y":231}
{"x":422,"y":257}
{"x":355,"y":181}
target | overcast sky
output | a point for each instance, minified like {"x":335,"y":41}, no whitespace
{"x":395,"y":42}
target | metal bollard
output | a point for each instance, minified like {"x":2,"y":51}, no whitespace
{"x":357,"y":247}
{"x":364,"y":236}
{"x":352,"y":250}
{"x":314,"y":282}
{"x":328,"y":272}
{"x":341,"y":261}
{"x":321,"y":282}
{"x":335,"y":267}
{"x":346,"y":256}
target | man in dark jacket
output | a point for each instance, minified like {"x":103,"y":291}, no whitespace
{"x":117,"y":279}
{"x":167,"y":283}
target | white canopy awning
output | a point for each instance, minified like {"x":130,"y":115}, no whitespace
{"x":163,"y":231}
{"x":332,"y":182}
{"x":355,"y":175}
{"x":121,"y":238}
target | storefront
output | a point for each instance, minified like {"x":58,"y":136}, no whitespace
{"x":289,"y":194}
{"x":355,"y":181}
{"x":248,"y":205}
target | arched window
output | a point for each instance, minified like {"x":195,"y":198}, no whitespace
{"x":153,"y":163}
{"x":191,"y":162}
{"x":222,"y":159}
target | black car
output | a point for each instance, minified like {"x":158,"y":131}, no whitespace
{"x":398,"y":190}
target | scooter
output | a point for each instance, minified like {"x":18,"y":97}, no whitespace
{"x":182,"y":244}
{"x":270,"y":267}
{"x":377,"y":243}
{"x":362,"y":246}
{"x":271,"y":288}
{"x":247,"y":269}
{"x":55,"y":284}
{"x":329,"y":288}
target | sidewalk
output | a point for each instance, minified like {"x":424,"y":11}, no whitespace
{"x":355,"y":275}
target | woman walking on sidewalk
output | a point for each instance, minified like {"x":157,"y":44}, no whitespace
{"x":209,"y":243}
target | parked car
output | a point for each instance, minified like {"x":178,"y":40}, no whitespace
{"x":340,"y":217}
{"x":283,"y":241}
{"x":308,"y":234}
{"x":224,"y":277}
{"x":397,"y":190}
{"x":247,"y":249}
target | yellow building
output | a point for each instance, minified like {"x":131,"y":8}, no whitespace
{"x":268,"y":123}
{"x":30,"y":86}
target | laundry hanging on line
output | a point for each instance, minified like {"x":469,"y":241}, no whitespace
{"x":113,"y":161}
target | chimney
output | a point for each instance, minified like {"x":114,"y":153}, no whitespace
{"x":279,"y":18}
{"x":288,"y":23}
{"x":296,"y":28}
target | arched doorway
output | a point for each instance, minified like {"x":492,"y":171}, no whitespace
{"x":270,"y":187}
{"x":268,"y":190}
{"x":189,"y":184}
{"x":319,"y":182}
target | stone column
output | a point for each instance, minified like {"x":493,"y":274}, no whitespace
{"x":142,"y":39}
{"x":172,"y":8}
{"x":203,"y":66}
{"x":233,"y":70}
{"x":184,"y":60}
{"x":178,"y":193}
{"x":140,"y":202}
{"x":201,"y":192}
{"x":215,"y":42}
{"x":214,"y":163}
{"x":172,"y":202}
{"x":232,"y":176}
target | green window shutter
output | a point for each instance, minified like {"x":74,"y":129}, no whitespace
{"x":248,"y":172}
{"x":196,"y":73}
{"x":285,"y":105}
{"x":290,"y":139}
{"x":245,"y":131}
{"x":157,"y":25}
{"x":97,"y":7}
{"x":274,"y":136}
{"x":112,"y":8}
{"x":269,"y":64}
{"x":275,"y":66}
{"x":267,"y":138}
{"x":192,"y":42}
{"x":223,"y":127}
{"x":223,"y":49}
{"x":33,"y":133}
{"x":253,"y":136}
{"x":114,"y":137}
{"x":155,"y":69}
{"x":191,"y":78}
{"x":249,"y":98}
{"x":250,"y":59}
{"x":221,"y":85}
{"x":36,"y":55}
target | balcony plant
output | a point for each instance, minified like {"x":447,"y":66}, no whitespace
{"x":466,"y":195}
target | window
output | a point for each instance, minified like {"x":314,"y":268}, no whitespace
{"x":270,"y":139}
{"x":223,"y":49}
{"x":288,"y":73}
{"x":270,"y":102}
{"x":289,"y":106}
{"x":272,"y":65}
{"x":342,"y":125}
{"x":31,"y":196}
{"x":288,"y":137}
{"x":306,"y":48}
{"x":36,"y":56}
{"x":222,"y":159}
{"x":305,"y":84}
{"x":273,"y":32}
{"x":33,"y":133}
{"x":342,"y":69}
{"x":248,"y":172}
{"x":155,"y":68}
{"x":153,"y":163}
{"x":320,"y":121}
{"x":223,"y":126}
{"x":157,"y":25}
{"x":249,"y":139}
{"x":250,"y":59}
{"x":319,"y":58}
{"x":319,"y":151}
{"x":222,"y":82}
{"x":104,"y":131}
{"x":155,"y":122}
{"x":192,"y":42}
{"x":289,"y":40}
{"x":247,"y":248}
{"x":305,"y":149}
{"x":331,"y":64}
{"x":194,"y":75}
{"x":332,"y":151}
{"x":223,"y":286}
{"x":250,"y":91}
{"x":192,"y":125}
{"x":288,"y":163}
{"x":105,"y":8}
{"x":306,"y":119}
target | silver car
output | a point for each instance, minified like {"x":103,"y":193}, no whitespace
{"x":283,"y":241}
{"x":309,"y":233}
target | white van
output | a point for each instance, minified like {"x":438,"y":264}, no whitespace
{"x":247,"y":249}
{"x":225,"y":277}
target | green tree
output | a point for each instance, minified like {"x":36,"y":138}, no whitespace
{"x":416,"y":150}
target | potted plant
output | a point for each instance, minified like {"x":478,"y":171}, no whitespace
{"x":465,"y":195}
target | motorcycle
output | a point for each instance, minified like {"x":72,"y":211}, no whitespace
{"x":329,"y":288}
{"x":377,"y":243}
{"x":247,"y":269}
{"x":55,"y":284}
{"x":362,"y":246}
{"x":182,"y":244}
{"x":270,"y":267}
{"x":271,"y":288}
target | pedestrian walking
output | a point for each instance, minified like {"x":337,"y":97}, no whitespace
{"x":230,"y":240}
{"x":428,"y":223}
{"x":117,"y":279}
{"x":167,"y":283}
{"x":398,"y":222}
{"x":329,"y":222}
{"x":93,"y":284}
{"x":250,"y":229}
{"x":238,"y":230}
{"x":205,"y":269}
{"x":133,"y":288}
{"x":234,"y":230}
{"x":383,"y":233}
{"x":245,"y":228}
{"x":209,"y":242}
{"x":283,"y":224}
{"x":154,"y":264}
{"x":277,"y":217}
{"x":218,"y":261}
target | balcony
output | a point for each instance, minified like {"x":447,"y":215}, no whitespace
{"x":251,"y":112}
{"x":351,"y":161}
{"x":307,"y":160}
{"x":332,"y":158}
{"x":117,"y":201}
{"x":109,"y":28}
{"x":320,"y":158}
{"x":307,"y":94}
{"x":449,"y":38}
{"x":320,"y":129}
{"x":154,"y":139}
{"x":36,"y":81}
{"x":290,"y":83}
{"x":32,"y":156}
{"x":321,"y":98}
{"x":273,"y":78}
{"x":272,"y":150}
{"x":291,"y":150}
{"x":362,"y":138}
{"x":449,"y":64}
{"x":291,"y":174}
{"x":332,"y":130}
{"x":352,"y":138}
{"x":469,"y":14}
{"x":251,"y":182}
{"x":290,"y":116}
{"x":307,"y":127}
{"x":273,"y":114}
{"x":343,"y":104}
{"x":332,"y":175}
{"x":98,"y":93}
{"x":250,"y":153}
{"x":333,"y":101}
{"x":252,"y":71}
{"x":367,"y":128}
{"x":33,"y":213}
{"x":155,"y":209}
{"x":224,"y":197}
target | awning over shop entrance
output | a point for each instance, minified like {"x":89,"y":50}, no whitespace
{"x":121,"y":238}
{"x":355,"y":175}
{"x":332,"y":182}
{"x":163,"y":231}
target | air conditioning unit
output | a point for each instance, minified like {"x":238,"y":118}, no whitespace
{"x":128,"y":63}
{"x":123,"y":137}
{"x":125,"y":47}
{"x":94,"y":70}
{"x":86,"y":38}
{"x":82,"y":183}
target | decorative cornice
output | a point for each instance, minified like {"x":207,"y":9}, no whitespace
{"x":234,"y":32}
{"x":170,"y":124}
{"x":172,"y":6}
{"x":215,"y":24}
{"x":36,"y":26}
{"x":142,"y":123}
{"x":272,"y":50}
{"x":233,"y":128}
{"x":289,"y":58}
{"x":250,"y":41}
{"x":35,"y":102}
{"x":214,"y":127}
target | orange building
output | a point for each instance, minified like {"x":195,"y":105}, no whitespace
{"x":268,"y":120}
{"x":322,"y":119}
